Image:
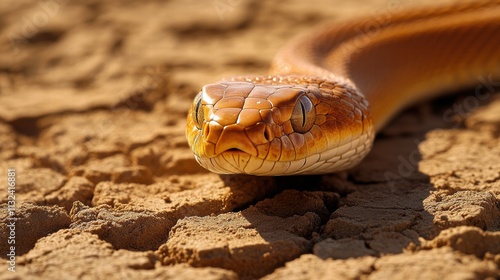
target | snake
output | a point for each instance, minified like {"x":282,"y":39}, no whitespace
{"x":330,"y":90}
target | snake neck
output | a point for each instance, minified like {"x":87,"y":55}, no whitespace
{"x":404,"y":57}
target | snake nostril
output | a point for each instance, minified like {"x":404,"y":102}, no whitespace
{"x":206,"y":130}
{"x":268,"y":134}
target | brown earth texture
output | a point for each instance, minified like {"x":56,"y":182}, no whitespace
{"x":93,"y":103}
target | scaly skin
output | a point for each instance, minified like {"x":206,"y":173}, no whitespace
{"x":311,"y":116}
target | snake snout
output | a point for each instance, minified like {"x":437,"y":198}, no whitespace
{"x":239,"y":143}
{"x":234,"y":138}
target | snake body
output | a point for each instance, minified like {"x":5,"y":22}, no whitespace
{"x":332,"y":89}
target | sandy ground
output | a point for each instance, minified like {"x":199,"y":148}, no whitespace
{"x":93,"y":99}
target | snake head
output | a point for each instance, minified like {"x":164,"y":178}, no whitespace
{"x":266,"y":127}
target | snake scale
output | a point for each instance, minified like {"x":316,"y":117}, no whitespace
{"x":330,"y":90}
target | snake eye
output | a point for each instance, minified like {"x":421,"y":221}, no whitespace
{"x":197,"y":113}
{"x":303,"y":115}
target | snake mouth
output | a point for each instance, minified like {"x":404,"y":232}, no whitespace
{"x":234,"y":150}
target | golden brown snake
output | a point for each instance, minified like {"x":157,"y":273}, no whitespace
{"x":330,"y":90}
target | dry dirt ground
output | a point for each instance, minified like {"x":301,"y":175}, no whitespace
{"x":93,"y":99}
